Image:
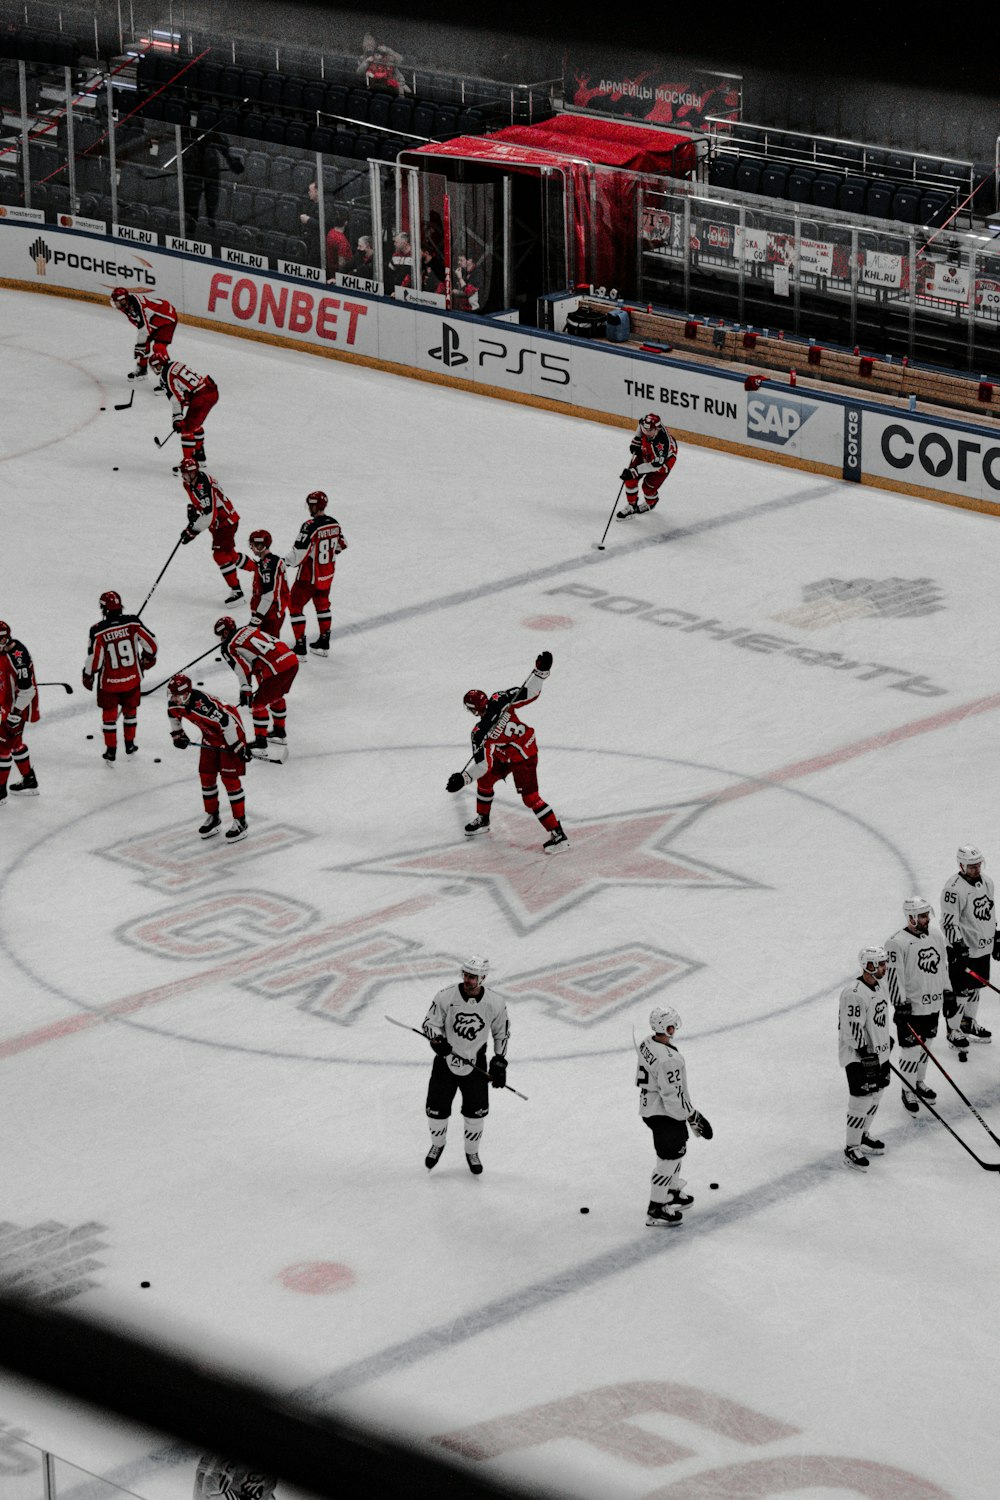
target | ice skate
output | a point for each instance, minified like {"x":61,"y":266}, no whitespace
{"x":211,"y":826}
{"x":556,"y":840}
{"x":3,"y":797}
{"x":238,"y":830}
{"x":110,"y":755}
{"x":678,"y":1199}
{"x":130,"y":747}
{"x":854,"y":1157}
{"x":476,"y":827}
{"x":475,"y":1165}
{"x":235,"y":596}
{"x":138,"y":374}
{"x":870,"y":1144}
{"x":659,"y":1216}
{"x":433,"y":1156}
{"x":960,"y":1042}
{"x":28,"y":787}
{"x":971,"y":1030}
{"x":321,"y":645}
{"x":632,"y":510}
{"x":300,"y":648}
{"x":923,"y":1092}
{"x":910,"y":1102}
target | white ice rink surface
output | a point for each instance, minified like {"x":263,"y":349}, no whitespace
{"x":197,"y":1084}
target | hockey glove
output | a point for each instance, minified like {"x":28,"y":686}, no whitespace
{"x":498,"y":1072}
{"x":996,"y":943}
{"x":543,"y":661}
{"x":246,"y":697}
{"x":176,"y":424}
{"x":12,"y":724}
{"x":441,"y":1045}
{"x":456,"y":781}
{"x":904,"y":1008}
{"x":146,"y":661}
{"x":180,"y":740}
{"x":872,"y":1070}
{"x":88,"y":682}
{"x":187,"y":535}
{"x":246,"y":751}
{"x":700,"y":1126}
{"x":957,"y":955}
{"x":626,"y":475}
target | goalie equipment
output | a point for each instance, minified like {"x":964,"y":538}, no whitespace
{"x":110,"y":602}
{"x":260,"y":541}
{"x":915,"y":906}
{"x":475,"y":701}
{"x":872,"y":957}
{"x":662,"y":1018}
{"x":475,"y":964}
{"x":649,"y":423}
{"x":224,"y":627}
{"x":180,"y":687}
{"x":316,"y":501}
{"x":968,"y":854}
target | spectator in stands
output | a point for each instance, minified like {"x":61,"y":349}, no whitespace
{"x":310,"y":227}
{"x":363,"y":263}
{"x":468,"y":285}
{"x":431,"y":271}
{"x":380,"y":65}
{"x":339,"y":254}
{"x":401,"y":262}
{"x":204,"y":157}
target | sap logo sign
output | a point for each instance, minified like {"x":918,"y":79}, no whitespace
{"x":772,"y":420}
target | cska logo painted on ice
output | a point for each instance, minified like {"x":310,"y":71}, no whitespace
{"x":928,"y":960}
{"x":982,"y":908}
{"x":468,"y":1025}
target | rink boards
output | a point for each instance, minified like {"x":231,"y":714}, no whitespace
{"x":952,"y":461}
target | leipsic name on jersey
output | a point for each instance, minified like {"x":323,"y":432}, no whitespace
{"x":116,"y":645}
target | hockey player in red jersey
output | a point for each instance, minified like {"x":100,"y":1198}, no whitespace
{"x":209,"y":509}
{"x":269,"y":591}
{"x":266,"y":669}
{"x":192,"y":397}
{"x":652,"y":456}
{"x":18,"y":706}
{"x":503,"y":746}
{"x":120,"y":650}
{"x":155,"y":321}
{"x":314,"y":553}
{"x":223,"y":751}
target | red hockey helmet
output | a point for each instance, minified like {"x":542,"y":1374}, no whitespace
{"x":260,"y":541}
{"x":158,"y":359}
{"x":111,"y":602}
{"x":224,"y":627}
{"x":650,"y":422}
{"x":188,"y":468}
{"x":316,"y":501}
{"x":4,"y":635}
{"x":119,"y":297}
{"x":180,"y":687}
{"x":475,"y":701}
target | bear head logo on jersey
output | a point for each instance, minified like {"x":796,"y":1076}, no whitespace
{"x":880,"y":1013}
{"x":468,"y":1025}
{"x":982,"y":908}
{"x":928,"y":960}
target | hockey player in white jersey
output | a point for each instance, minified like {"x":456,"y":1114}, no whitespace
{"x":969,"y":923}
{"x":457,"y":1025}
{"x":918,"y":985}
{"x":666,"y":1108}
{"x":864,"y":1047}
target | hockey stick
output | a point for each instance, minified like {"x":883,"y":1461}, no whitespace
{"x":159,"y":575}
{"x":941,"y":1068}
{"x":984,"y":982}
{"x":55,"y":684}
{"x":474,"y":1066}
{"x":599,"y":546}
{"x":147,"y":691}
{"x":162,"y":442}
{"x":124,"y":405}
{"x":498,"y":722}
{"x":987,"y":1166}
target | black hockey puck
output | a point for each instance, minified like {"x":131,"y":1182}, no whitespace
{"x":199,"y":684}
{"x":104,"y":408}
{"x":114,"y":469}
{"x":90,"y":736}
{"x":144,"y":1283}
{"x":713,"y":1184}
{"x":156,"y":760}
{"x":585,"y":1210}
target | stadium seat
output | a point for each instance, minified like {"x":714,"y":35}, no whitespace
{"x":358,"y":104}
{"x":295,"y":249}
{"x":878,"y":200}
{"x":825,"y":190}
{"x":279,"y":174}
{"x":748,"y":175}
{"x":401,"y":115}
{"x":297,"y":135}
{"x":774,"y":180}
{"x":286,"y":214}
{"x":322,"y":138}
{"x":906,"y":204}
{"x":800,"y":181}
{"x":241,"y":204}
{"x":303,"y":173}
{"x":851,"y":197}
{"x":251,"y":84}
{"x":445,"y":122}
{"x":721,"y":169}
{"x":336,"y":99}
{"x":273,"y":130}
{"x":231,"y":83}
{"x":255,"y":169}
{"x":314,"y":97}
{"x":291,"y":94}
{"x":273,"y":245}
{"x":934,"y":209}
{"x":378,"y":109}
{"x":345,"y":142}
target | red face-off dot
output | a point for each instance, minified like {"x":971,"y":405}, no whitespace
{"x":317,"y":1277}
{"x":548,"y":622}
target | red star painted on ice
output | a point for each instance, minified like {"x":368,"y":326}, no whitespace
{"x":625,"y":849}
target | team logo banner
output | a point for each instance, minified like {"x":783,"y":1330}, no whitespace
{"x":660,"y":95}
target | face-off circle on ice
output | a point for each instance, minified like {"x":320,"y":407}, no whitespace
{"x":291,"y":951}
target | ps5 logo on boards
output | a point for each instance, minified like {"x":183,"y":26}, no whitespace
{"x":772,"y":419}
{"x":449,"y":350}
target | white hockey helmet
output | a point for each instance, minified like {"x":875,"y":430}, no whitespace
{"x":915,"y":906}
{"x":872,"y":957}
{"x":968,"y":854}
{"x":662,"y":1018}
{"x":474,"y":963}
